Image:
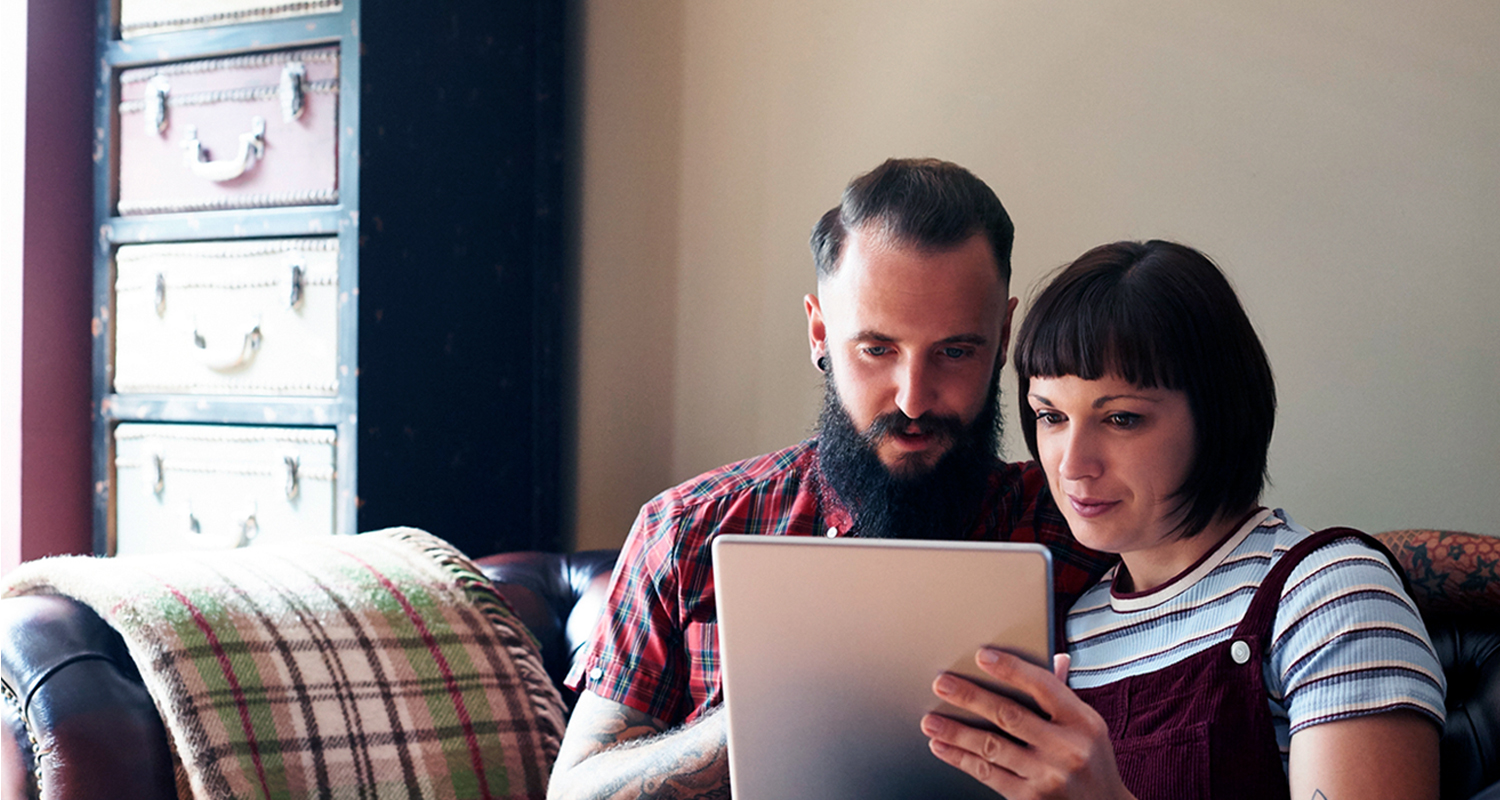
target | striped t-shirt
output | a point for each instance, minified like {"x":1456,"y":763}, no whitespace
{"x":1347,"y":640}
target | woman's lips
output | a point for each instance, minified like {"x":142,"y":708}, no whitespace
{"x":1088,"y":507}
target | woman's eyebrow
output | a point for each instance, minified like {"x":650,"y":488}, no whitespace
{"x":1112,"y":397}
{"x":1102,"y":400}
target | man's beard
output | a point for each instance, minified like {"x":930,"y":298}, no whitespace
{"x":914,"y":501}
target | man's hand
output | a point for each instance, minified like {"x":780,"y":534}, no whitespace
{"x":1068,"y":756}
{"x":610,"y":750}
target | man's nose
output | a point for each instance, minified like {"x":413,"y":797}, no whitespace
{"x":916,"y":393}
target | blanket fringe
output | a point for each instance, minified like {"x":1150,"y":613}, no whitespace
{"x":518,"y":641}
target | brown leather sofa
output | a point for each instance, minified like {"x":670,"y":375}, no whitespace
{"x":74,"y":696}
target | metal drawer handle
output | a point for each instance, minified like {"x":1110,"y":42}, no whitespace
{"x":230,"y":357}
{"x":291,"y":90}
{"x":249,"y":529}
{"x":252,"y":147}
{"x":156,"y":105}
{"x":293,"y":480}
{"x":159,"y":485}
{"x":298,"y":279}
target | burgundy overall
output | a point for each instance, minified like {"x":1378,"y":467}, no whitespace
{"x":1202,"y":728}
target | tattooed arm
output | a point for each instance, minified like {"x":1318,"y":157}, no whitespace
{"x":610,"y":750}
{"x":1449,"y":571}
{"x":1391,"y":755}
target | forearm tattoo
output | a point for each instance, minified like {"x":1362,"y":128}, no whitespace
{"x":626,"y":725}
{"x":1449,"y":571}
{"x":636,"y":757}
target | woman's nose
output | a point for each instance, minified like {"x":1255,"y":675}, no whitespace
{"x":1080,"y":457}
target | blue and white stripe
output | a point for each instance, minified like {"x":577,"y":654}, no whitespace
{"x":1347,"y":640}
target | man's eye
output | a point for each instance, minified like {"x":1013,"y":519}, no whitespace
{"x":1121,"y":419}
{"x":956,"y":353}
{"x":877,"y":350}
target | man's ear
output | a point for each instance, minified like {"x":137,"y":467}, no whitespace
{"x":817,"y":333}
{"x":1010,"y":311}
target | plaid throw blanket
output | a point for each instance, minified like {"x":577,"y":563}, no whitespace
{"x":382,"y":665}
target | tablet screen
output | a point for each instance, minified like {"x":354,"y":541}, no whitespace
{"x":830,"y":647}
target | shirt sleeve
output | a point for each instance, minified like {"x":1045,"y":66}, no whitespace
{"x":635,"y":656}
{"x":1348,"y":641}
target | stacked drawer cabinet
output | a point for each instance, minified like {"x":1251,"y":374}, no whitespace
{"x":329,"y":280}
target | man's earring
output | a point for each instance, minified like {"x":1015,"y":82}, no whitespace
{"x":822,"y":363}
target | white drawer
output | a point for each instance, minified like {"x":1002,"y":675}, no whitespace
{"x":180,"y":487}
{"x":143,"y":17}
{"x":236,"y":317}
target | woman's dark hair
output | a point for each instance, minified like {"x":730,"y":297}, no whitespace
{"x":1161,"y":314}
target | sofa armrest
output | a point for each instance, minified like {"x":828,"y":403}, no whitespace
{"x":558,"y":596}
{"x":81,"y":721}
{"x":1451,"y":572}
{"x":1468,"y":647}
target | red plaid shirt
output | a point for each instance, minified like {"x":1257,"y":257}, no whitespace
{"x":656,"y":648}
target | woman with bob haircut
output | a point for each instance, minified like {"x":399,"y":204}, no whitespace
{"x":1231,"y":653}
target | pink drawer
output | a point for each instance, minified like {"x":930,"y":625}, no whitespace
{"x":249,"y":131}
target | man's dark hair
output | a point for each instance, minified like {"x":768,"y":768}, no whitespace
{"x":921,"y":202}
{"x":1161,"y":314}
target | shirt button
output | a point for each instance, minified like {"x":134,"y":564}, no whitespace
{"x":596,"y":673}
{"x":1240,"y":652}
{"x":832,"y":532}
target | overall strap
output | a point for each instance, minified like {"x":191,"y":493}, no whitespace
{"x":1262,"y":612}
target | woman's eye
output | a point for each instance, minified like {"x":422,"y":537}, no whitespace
{"x":1050,"y":417}
{"x":1121,"y":419}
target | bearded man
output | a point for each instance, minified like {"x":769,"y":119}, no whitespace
{"x":910,"y":326}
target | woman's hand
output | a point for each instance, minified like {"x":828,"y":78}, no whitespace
{"x":1067,"y":756}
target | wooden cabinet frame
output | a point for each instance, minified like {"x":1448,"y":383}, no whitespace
{"x":450,"y":410}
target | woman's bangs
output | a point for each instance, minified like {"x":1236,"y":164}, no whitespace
{"x":1093,"y":342}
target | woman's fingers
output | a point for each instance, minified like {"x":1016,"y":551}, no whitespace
{"x":985,"y":756}
{"x":1062,"y":752}
{"x":1007,"y":714}
{"x":1045,"y":688}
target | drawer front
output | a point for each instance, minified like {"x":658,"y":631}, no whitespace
{"x":253,"y":317}
{"x":250,"y":131}
{"x":146,"y":17}
{"x":190,"y":487}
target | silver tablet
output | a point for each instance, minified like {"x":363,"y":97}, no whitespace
{"x":830,"y":647}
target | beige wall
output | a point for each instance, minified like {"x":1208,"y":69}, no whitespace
{"x":1340,"y":160}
